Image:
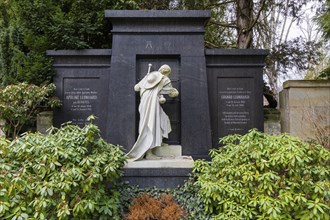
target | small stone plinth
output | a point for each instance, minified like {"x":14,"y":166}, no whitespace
{"x":44,"y":121}
{"x":168,"y":151}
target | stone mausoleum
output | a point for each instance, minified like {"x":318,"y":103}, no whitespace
{"x":221,"y":90}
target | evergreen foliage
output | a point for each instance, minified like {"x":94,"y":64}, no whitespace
{"x":30,"y":27}
{"x":20,"y":104}
{"x":70,"y":173}
{"x":258,"y":176}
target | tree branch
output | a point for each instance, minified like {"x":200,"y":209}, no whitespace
{"x":258,"y":15}
{"x":209,"y":44}
{"x":222,"y":24}
{"x":220,"y":3}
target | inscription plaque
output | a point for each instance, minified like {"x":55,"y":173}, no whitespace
{"x":235,"y":109}
{"x":80,"y":99}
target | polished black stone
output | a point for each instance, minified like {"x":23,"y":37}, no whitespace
{"x":235,"y":90}
{"x":160,"y":177}
{"x":82,"y":85}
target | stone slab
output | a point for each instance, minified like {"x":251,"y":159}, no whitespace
{"x":159,"y":177}
{"x":306,"y":84}
{"x":165,"y":173}
{"x":166,"y":162}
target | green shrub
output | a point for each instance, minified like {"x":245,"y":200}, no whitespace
{"x":69,"y":173}
{"x":20,"y":104}
{"x":258,"y":176}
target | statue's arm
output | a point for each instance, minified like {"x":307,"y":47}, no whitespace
{"x":174,"y":93}
{"x":137,"y":87}
{"x":168,"y":89}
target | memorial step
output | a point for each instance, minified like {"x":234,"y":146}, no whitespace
{"x":168,"y":172}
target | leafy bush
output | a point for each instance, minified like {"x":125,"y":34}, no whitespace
{"x":258,"y":176}
{"x":30,"y":27}
{"x":20,"y":104}
{"x":69,"y":173}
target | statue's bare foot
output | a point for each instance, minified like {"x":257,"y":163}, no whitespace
{"x":151,"y":156}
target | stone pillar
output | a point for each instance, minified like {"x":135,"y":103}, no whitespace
{"x":44,"y":121}
{"x":272,"y":121}
{"x":305,"y":108}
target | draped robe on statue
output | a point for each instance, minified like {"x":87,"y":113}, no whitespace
{"x":154,"y":124}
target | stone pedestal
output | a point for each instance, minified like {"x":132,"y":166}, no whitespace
{"x":169,"y":172}
{"x":305,"y":108}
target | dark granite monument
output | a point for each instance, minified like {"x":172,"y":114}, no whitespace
{"x":220,"y":91}
{"x":235,"y":90}
{"x":175,"y":38}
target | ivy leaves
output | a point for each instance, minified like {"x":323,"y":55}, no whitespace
{"x":61,"y":175}
{"x":258,"y":176}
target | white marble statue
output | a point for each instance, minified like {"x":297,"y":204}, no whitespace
{"x":154,"y":124}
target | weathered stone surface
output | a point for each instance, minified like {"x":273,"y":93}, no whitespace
{"x":168,"y":151}
{"x":44,"y":121}
{"x":305,"y":107}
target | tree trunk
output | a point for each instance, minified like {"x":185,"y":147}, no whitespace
{"x":244,"y":21}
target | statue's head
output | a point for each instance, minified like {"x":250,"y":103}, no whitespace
{"x":165,"y":70}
